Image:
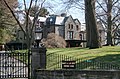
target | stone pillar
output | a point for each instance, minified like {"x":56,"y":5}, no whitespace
{"x":38,"y":60}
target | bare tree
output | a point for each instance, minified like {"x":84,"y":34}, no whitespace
{"x":91,"y":25}
{"x":27,"y":28}
{"x":68,"y":4}
{"x":108,"y":12}
{"x":109,"y":23}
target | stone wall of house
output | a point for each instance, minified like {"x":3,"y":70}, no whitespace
{"x":59,"y":30}
{"x":71,"y":26}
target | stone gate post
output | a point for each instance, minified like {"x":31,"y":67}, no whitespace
{"x":38,"y":60}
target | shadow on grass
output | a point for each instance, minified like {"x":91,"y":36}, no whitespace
{"x":107,"y":62}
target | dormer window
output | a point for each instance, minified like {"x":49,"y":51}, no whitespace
{"x":51,"y":19}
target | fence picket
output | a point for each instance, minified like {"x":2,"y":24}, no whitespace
{"x":81,"y":64}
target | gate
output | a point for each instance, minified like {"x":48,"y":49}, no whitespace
{"x":13,"y":65}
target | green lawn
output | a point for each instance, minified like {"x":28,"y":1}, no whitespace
{"x":85,"y":52}
{"x":110,"y":54}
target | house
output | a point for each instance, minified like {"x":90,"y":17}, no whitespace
{"x":66,"y":27}
{"x":20,"y":36}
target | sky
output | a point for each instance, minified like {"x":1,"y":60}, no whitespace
{"x":57,"y":8}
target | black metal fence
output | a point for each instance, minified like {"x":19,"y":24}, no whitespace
{"x":13,"y":65}
{"x":54,"y":61}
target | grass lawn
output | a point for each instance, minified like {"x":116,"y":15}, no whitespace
{"x":110,"y":54}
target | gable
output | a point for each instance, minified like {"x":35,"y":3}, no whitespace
{"x":69,"y":20}
{"x":77,"y":22}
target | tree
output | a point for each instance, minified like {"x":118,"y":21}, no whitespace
{"x":109,"y":23}
{"x":108,"y":13}
{"x":91,"y":25}
{"x":43,"y":11}
{"x":27,"y":28}
{"x":6,"y":25}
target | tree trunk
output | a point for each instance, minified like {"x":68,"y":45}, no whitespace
{"x":91,"y":25}
{"x":87,"y":27}
{"x":109,"y":23}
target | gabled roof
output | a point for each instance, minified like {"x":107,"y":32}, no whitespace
{"x":71,"y":18}
{"x":77,"y":21}
{"x":65,"y":19}
{"x":54,"y":20}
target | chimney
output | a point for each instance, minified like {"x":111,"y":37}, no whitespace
{"x":63,"y":14}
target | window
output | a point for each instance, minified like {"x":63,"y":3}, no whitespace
{"x":81,"y":37}
{"x":70,"y":35}
{"x":68,"y":26}
{"x":77,"y":27}
{"x":71,"y":26}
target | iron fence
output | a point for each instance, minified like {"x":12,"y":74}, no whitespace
{"x":13,"y":65}
{"x":54,"y":61}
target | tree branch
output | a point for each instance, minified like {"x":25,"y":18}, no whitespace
{"x":115,"y":2}
{"x":101,"y":7}
{"x":37,"y":14}
{"x":30,"y":6}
